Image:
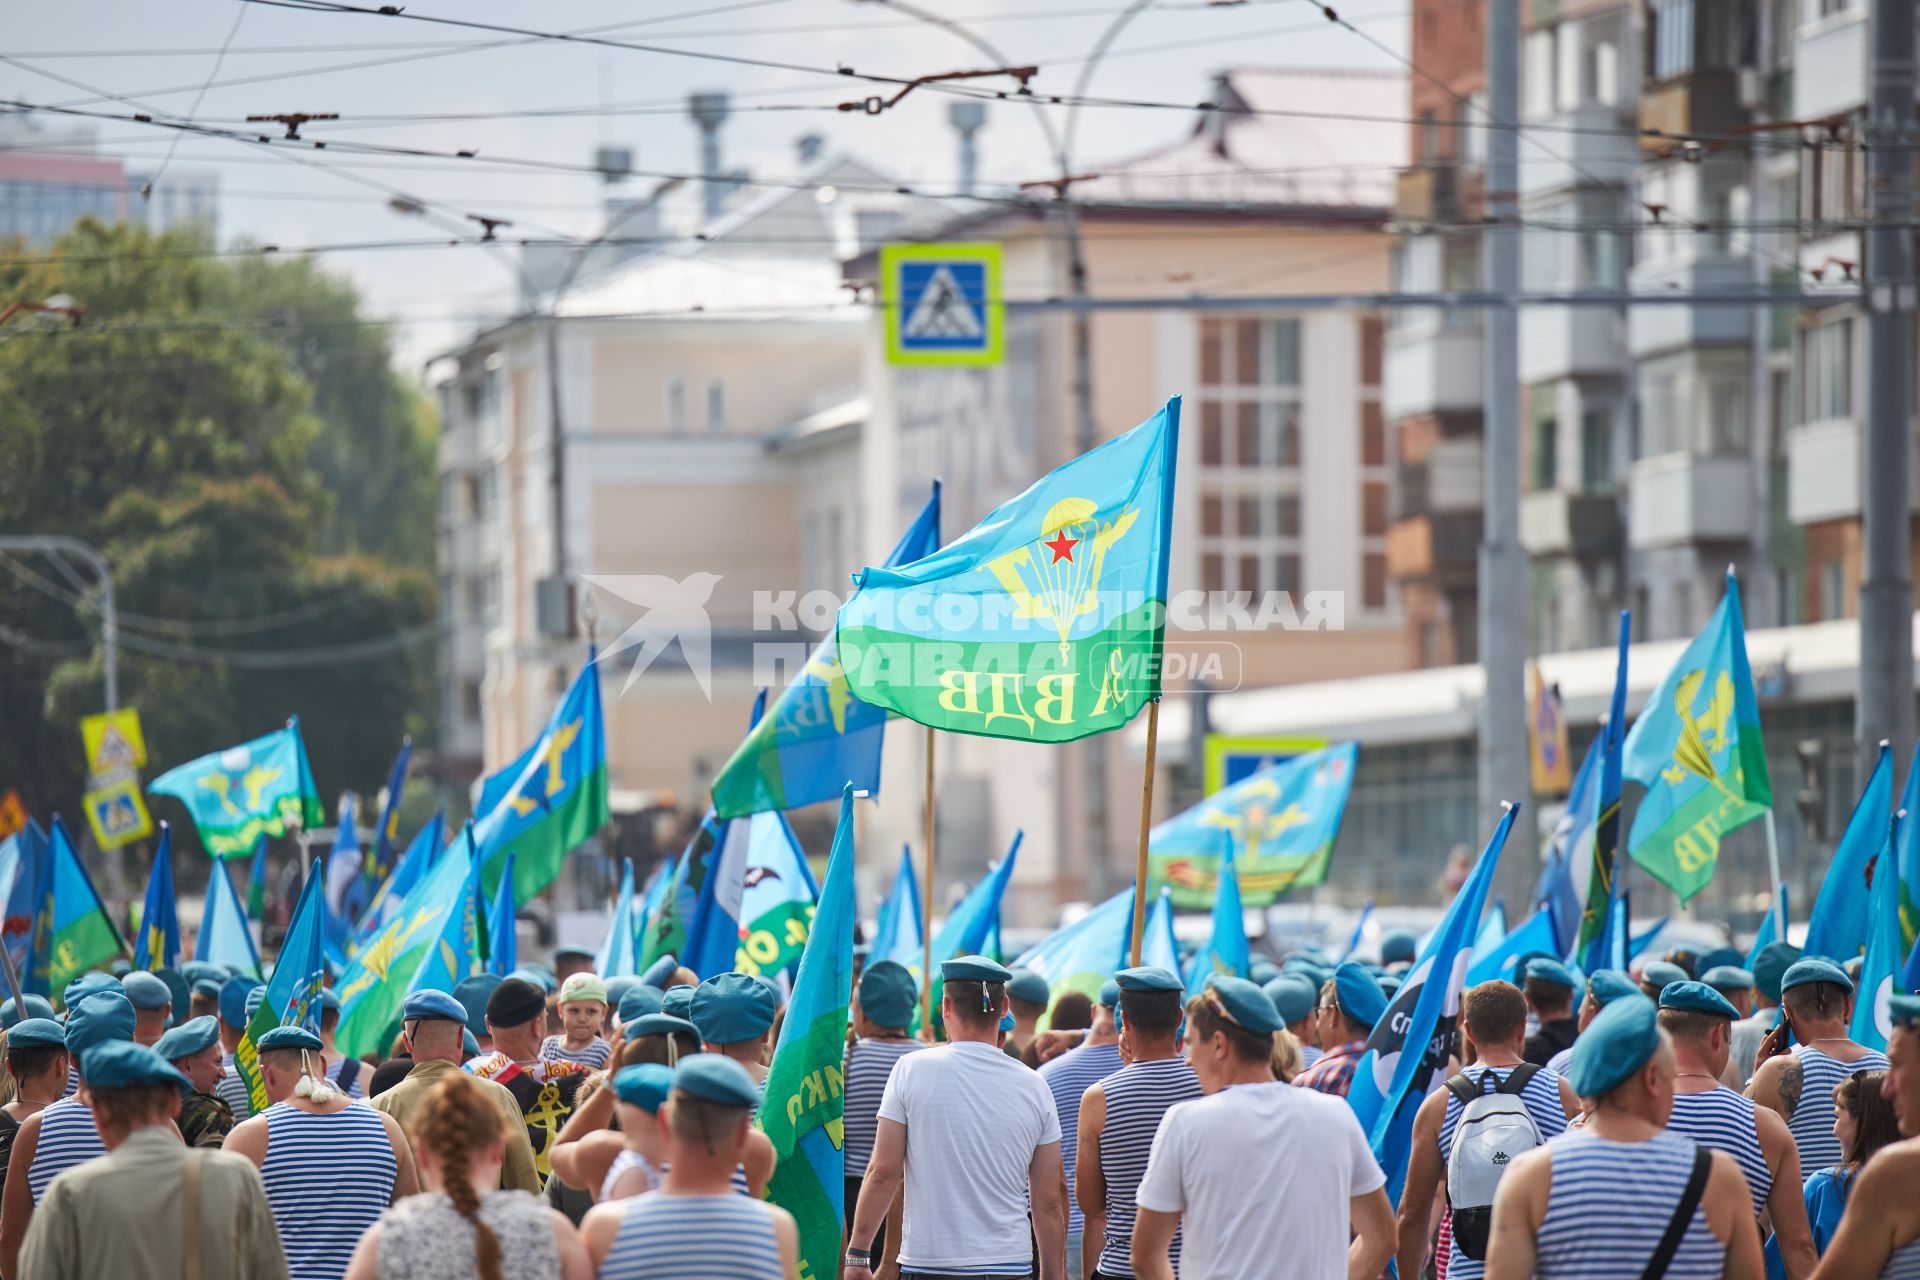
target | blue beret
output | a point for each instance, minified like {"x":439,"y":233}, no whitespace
{"x":1615,"y":1044}
{"x":1148,"y":977}
{"x":1696,"y":997}
{"x":1812,"y":969}
{"x":255,"y":998}
{"x":200,"y":971}
{"x":1318,"y":975}
{"x":1903,"y":1010}
{"x":189,"y":1038}
{"x":974,"y":969}
{"x":1608,"y":985}
{"x":472,"y":993}
{"x":618,"y":986}
{"x":1720,"y":956}
{"x":122,"y":1064}
{"x":1391,"y":984}
{"x":888,"y":994}
{"x":713,"y":1077}
{"x":98,"y":1018}
{"x":1547,"y":969}
{"x":469,"y":1045}
{"x":1398,"y":947}
{"x":538,"y":975}
{"x":1006,"y":1022}
{"x":1262,"y":970}
{"x":178,"y":991}
{"x":86,"y":984}
{"x":660,"y":972}
{"x":639,"y":1000}
{"x":660,"y":1024}
{"x":732,"y":1007}
{"x":146,"y":991}
{"x":207,"y":987}
{"x":1361,"y":998}
{"x":1771,"y":965}
{"x":289,"y":1037}
{"x":644,"y":1085}
{"x":233,"y":1001}
{"x":1728,"y":977}
{"x":1025,"y":984}
{"x":37,"y":1007}
{"x":433,"y":1006}
{"x":329,"y":1000}
{"x":573,"y":952}
{"x":1293,"y":997}
{"x":1244,"y":1005}
{"x":1109,"y":994}
{"x":121,"y":967}
{"x":1658,"y":973}
{"x":36,"y":1033}
{"x":677,"y":1001}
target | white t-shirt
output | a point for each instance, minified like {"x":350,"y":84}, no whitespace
{"x":974,"y":1118}
{"x":1260,"y":1172}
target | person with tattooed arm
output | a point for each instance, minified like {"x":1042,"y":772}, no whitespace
{"x":1816,"y":1005}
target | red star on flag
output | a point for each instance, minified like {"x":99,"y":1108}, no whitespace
{"x":1062,"y":547}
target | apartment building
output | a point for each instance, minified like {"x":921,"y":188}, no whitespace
{"x":51,"y":176}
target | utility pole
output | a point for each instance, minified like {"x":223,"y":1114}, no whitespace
{"x":1885,"y":705}
{"x":55,"y":545}
{"x":1503,"y":566}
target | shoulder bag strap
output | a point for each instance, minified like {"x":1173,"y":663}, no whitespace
{"x":1520,"y":1077}
{"x":190,"y":1197}
{"x":1682,"y":1214}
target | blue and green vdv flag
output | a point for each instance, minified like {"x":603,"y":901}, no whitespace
{"x":293,"y":992}
{"x":1045,"y":621}
{"x":1696,"y":749}
{"x":235,"y":795}
{"x":1282,"y":821}
{"x":556,"y":797}
{"x":804,"y":1102}
{"x":818,"y":737}
{"x":376,"y":981}
{"x":157,"y":943}
{"x":81,"y":935}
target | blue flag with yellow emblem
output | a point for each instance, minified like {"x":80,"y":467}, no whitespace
{"x":158,"y":942}
{"x":555,"y":801}
{"x":377,"y":980}
{"x":293,"y":992}
{"x":818,"y":737}
{"x":1282,"y":821}
{"x":386,"y":837}
{"x":1082,"y":955}
{"x":265,"y":785}
{"x":1696,"y":749}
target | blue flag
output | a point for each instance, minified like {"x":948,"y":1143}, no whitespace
{"x":1881,"y":973}
{"x":81,"y":934}
{"x":413,"y":867}
{"x":1084,"y":954}
{"x":344,"y":871}
{"x":964,"y":931}
{"x":1568,"y":872}
{"x":1407,"y":1052}
{"x":1359,"y":931}
{"x":460,"y":950}
{"x":378,"y":979}
{"x":24,"y":871}
{"x":225,"y":936}
{"x":1842,"y":916}
{"x":818,"y":737}
{"x":1766,"y":932}
{"x":1498,"y":961}
{"x":619,"y":956}
{"x":1157,"y":944}
{"x":1906,"y":858}
{"x":293,"y":993}
{"x":1642,"y":940}
{"x":896,"y":934}
{"x":1493,"y":930}
{"x":1226,"y":951}
{"x":1606,"y":878}
{"x":159,"y":939}
{"x":755,"y":851}
{"x":386,"y":837}
{"x":658,"y":888}
{"x":503,"y":955}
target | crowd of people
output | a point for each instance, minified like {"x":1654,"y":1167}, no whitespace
{"x":1693,"y":1119}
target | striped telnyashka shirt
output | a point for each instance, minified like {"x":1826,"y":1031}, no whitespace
{"x":869,"y":1063}
{"x":1812,"y":1120}
{"x":1609,"y":1205}
{"x":1137,"y":1095}
{"x":232,"y":1090}
{"x":67,"y":1138}
{"x":328,"y":1177}
{"x":1068,"y":1077}
{"x":1723,"y":1120}
{"x":1541,"y":1097}
{"x":668,"y":1237}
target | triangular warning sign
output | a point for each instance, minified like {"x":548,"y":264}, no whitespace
{"x":942,"y":310}
{"x":115,"y":751}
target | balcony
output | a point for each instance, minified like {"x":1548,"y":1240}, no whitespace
{"x":1562,"y":342}
{"x":1826,"y":471}
{"x":1430,"y":193}
{"x":1652,"y":329}
{"x":1678,"y":498}
{"x":1591,"y":145}
{"x":1701,"y":102}
{"x":1445,"y":482}
{"x":1560,"y":522}
{"x":1440,"y":549}
{"x":1830,"y":65}
{"x":1433,"y":366}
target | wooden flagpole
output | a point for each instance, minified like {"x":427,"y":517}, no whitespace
{"x":926,"y":906}
{"x":1146,"y":817}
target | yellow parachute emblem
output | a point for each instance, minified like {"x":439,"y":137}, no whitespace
{"x":1702,"y":735}
{"x":1065,"y":563}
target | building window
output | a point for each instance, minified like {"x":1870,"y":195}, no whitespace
{"x":1545,"y":454}
{"x":1670,"y":34}
{"x":1429,"y":136}
{"x":1536,"y":79}
{"x":1373,"y":589}
{"x":1694,"y":402}
{"x":1373,"y":509}
{"x":1833,"y":590}
{"x":470,"y":699}
{"x":1373,"y":434}
{"x":1250,"y":453}
{"x":1826,"y":371}
{"x":1596,"y":450}
{"x":716,"y":407}
{"x":676,"y":406}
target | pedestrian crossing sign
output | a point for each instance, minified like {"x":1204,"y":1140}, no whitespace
{"x":114,"y":741}
{"x":116,"y":811}
{"x":942,"y":304}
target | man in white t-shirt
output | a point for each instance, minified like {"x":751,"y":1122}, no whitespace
{"x":973,"y":1134}
{"x":1267,"y":1179}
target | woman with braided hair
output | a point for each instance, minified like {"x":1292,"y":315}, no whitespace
{"x":514,"y":1236}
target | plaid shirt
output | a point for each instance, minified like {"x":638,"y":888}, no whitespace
{"x":1333,"y":1073}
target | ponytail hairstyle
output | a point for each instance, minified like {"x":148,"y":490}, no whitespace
{"x":457,"y":1121}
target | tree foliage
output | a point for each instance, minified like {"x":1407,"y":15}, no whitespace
{"x":232,"y":437}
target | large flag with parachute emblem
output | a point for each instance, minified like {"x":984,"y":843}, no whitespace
{"x":82,"y":935}
{"x":158,"y":942}
{"x":804,"y":1105}
{"x":556,"y":800}
{"x":1408,"y":1050}
{"x":818,"y":737}
{"x":1696,"y":748}
{"x":265,"y":785}
{"x":293,"y":993}
{"x":1044,"y":622}
{"x":1282,"y":820}
{"x":376,"y":981}
{"x":1845,"y":912}
{"x":460,"y":951}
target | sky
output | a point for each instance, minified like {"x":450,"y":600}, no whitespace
{"x":383,"y":75}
